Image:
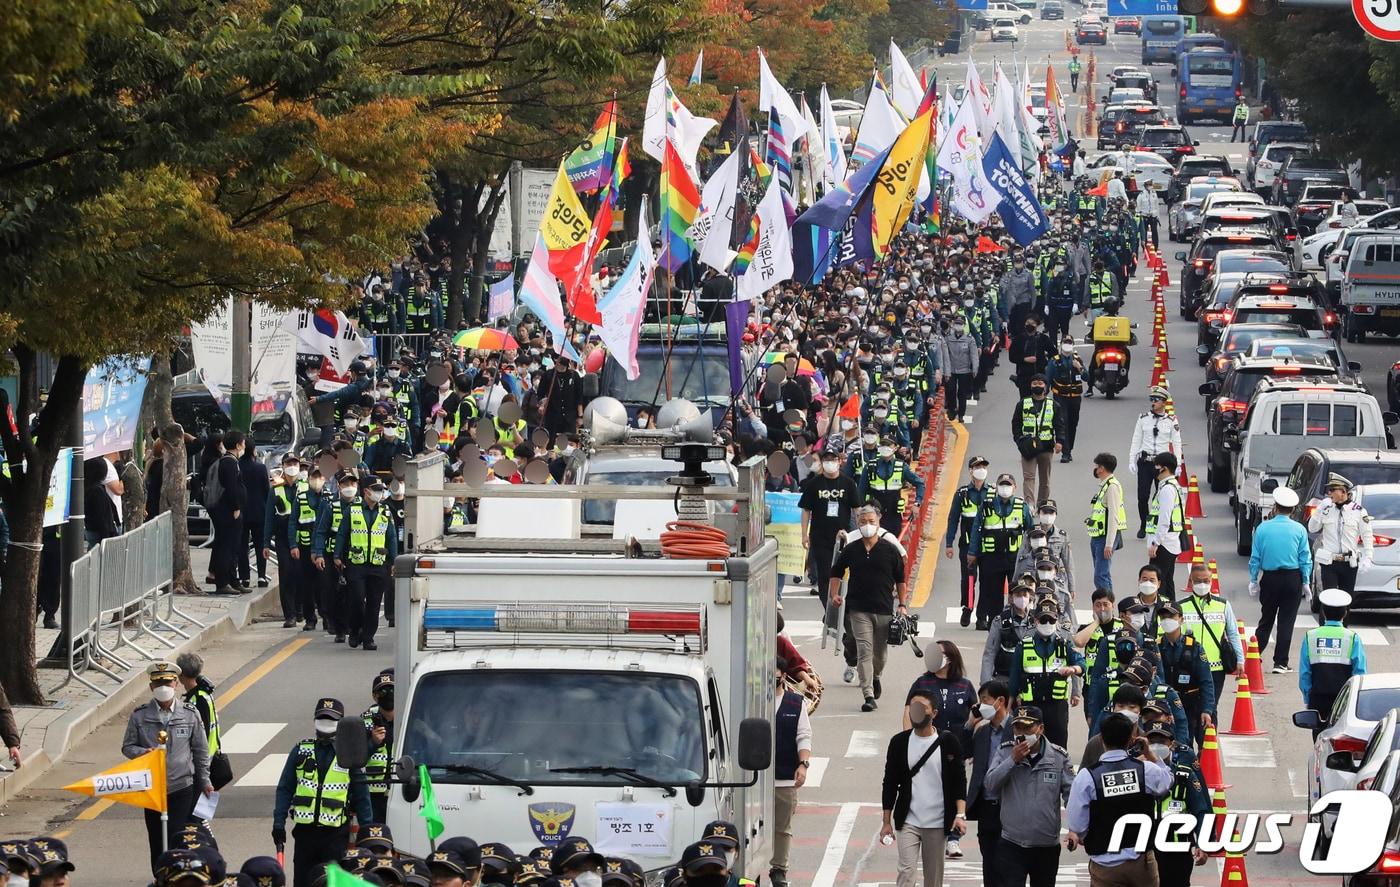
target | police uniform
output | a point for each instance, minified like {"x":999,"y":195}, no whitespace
{"x":275,"y":520}
{"x":997,"y":534}
{"x":1186,"y":670}
{"x":1004,"y":637}
{"x":883,"y":481}
{"x":301,"y":528}
{"x":366,"y":544}
{"x":1331,"y":653}
{"x":318,"y":795}
{"x":1187,"y":796}
{"x":330,"y":577}
{"x":1346,"y":542}
{"x":967,"y":501}
{"x":381,"y":755}
{"x":1035,"y":677}
{"x":1152,"y":434}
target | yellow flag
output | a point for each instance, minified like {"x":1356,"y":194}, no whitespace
{"x":897,"y":184}
{"x":139,"y":782}
{"x":566,"y":223}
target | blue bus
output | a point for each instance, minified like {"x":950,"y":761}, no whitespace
{"x":1160,"y":36}
{"x":1208,"y":82}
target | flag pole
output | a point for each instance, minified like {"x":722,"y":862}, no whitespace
{"x":164,"y":737}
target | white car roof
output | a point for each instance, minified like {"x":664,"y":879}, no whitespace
{"x":1377,"y":680}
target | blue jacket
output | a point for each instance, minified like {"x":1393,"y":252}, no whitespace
{"x":1171,"y":651}
{"x":1281,"y":543}
{"x":1358,"y":663}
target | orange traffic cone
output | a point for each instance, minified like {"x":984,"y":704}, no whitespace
{"x":1219,"y":809}
{"x":1234,"y":875}
{"x":1193,"y":500}
{"x":1165,"y":356}
{"x":1211,"y":767}
{"x":1254,"y":666}
{"x":1156,"y":372}
{"x":1242,"y":721}
{"x":1214,"y":577}
{"x":1181,"y":476}
{"x":1162,"y":276}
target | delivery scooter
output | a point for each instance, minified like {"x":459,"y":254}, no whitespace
{"x":1111,"y":335}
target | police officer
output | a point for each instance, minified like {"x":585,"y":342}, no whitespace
{"x":319,"y":795}
{"x":1212,"y":620}
{"x":379,"y":721}
{"x":1051,"y":538}
{"x":365,"y":548}
{"x":860,"y":452}
{"x":404,"y":391}
{"x":1038,"y":429}
{"x":199,"y":693}
{"x":1008,"y":628}
{"x":1187,"y":795}
{"x":1089,"y":637}
{"x":1074,"y":68}
{"x":1240,"y":118}
{"x":306,"y":498}
{"x":1155,"y":432}
{"x":1041,"y":674}
{"x":1331,"y":653}
{"x":1166,"y":519}
{"x":380,"y":455}
{"x":1099,"y":287}
{"x":1185,"y":669}
{"x":884,"y":481}
{"x":275,"y":519}
{"x":1346,"y":543}
{"x":911,"y":401}
{"x":1065,"y":373}
{"x":967,"y":501}
{"x":997,"y":534}
{"x":331,"y":577}
{"x":1032,"y":777}
{"x":1117,"y":786}
{"x":456,"y":863}
{"x":164,"y":722}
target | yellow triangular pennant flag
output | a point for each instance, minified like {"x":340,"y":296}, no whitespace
{"x":139,"y":782}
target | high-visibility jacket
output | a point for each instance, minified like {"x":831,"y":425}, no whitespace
{"x":1038,"y":424}
{"x":1100,"y":289}
{"x":1241,"y":114}
{"x":1002,"y":534}
{"x":1097,"y":521}
{"x":319,"y":801}
{"x":1040,"y":674}
{"x":1330,"y":649}
{"x":200,"y":693}
{"x":368,"y":540}
{"x":505,"y":433}
{"x":1205,"y":619}
{"x":377,"y":765}
{"x":305,"y":512}
{"x":1177,"y":518}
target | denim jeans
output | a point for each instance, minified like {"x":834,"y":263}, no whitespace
{"x":1103,"y":566}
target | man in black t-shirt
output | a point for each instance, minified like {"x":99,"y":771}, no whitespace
{"x":828,"y":496}
{"x":876,"y":566}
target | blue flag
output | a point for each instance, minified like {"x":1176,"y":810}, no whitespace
{"x":812,"y":252}
{"x":835,"y":208}
{"x":1020,"y":210}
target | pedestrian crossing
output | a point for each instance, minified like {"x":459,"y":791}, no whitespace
{"x":864,"y":744}
{"x":248,"y":737}
{"x":264,"y":774}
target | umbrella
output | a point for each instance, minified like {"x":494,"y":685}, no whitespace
{"x":485,"y":338}
{"x":804,"y":366}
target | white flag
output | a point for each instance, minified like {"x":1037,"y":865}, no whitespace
{"x":715,"y":223}
{"x":772,"y":260}
{"x":961,"y":156}
{"x":502,"y":301}
{"x":654,"y":125}
{"x":1031,"y":142}
{"x":622,"y":306}
{"x":831,"y":138}
{"x":880,"y":125}
{"x":906,"y":93}
{"x":696,"y":72}
{"x":772,"y":95}
{"x":1004,"y":114}
{"x":976,"y":92}
{"x":813,"y":156}
{"x":688,"y":131}
{"x":328,"y":333}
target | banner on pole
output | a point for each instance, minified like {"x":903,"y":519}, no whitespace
{"x":139,"y":782}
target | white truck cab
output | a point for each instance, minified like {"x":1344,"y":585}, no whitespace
{"x":1286,"y":416}
{"x":595,"y":687}
{"x":1370,"y":284}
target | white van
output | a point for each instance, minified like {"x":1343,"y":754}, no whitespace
{"x":1287,"y":416}
{"x":1370,"y":285}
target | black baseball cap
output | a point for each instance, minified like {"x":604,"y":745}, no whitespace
{"x":177,"y":865}
{"x":414,"y":870}
{"x":977,"y":460}
{"x":19,"y":856}
{"x":498,"y":856}
{"x":623,"y":871}
{"x":383,"y":680}
{"x":1028,"y":715}
{"x":458,"y":855}
{"x":701,"y":854}
{"x":52,"y":855}
{"x":358,"y":860}
{"x":573,"y":852}
{"x":376,"y":837}
{"x":329,"y":707}
{"x":532,"y":871}
{"x":723,"y":833}
{"x":264,"y":871}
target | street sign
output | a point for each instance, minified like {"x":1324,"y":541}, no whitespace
{"x":1379,"y":18}
{"x":1149,"y":7}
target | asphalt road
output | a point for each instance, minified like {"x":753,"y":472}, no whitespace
{"x":270,"y":677}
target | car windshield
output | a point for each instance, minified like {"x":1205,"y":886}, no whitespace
{"x":604,"y":511}
{"x":1194,"y":193}
{"x":199,"y":414}
{"x":1382,"y":506}
{"x":1162,"y":138}
{"x":1307,"y":318}
{"x":1237,"y":342}
{"x":273,"y":431}
{"x":701,"y":377}
{"x":628,"y":719}
{"x":1373,"y":472}
{"x":1284,"y":133}
{"x":1315,"y":193}
{"x":1005,"y":23}
{"x":1210,"y":248}
{"x":1302,"y":349}
{"x":1246,"y":263}
{"x":1313,"y":162}
{"x":1205,"y":166}
{"x":1210,"y":64}
{"x":1373,"y":704}
{"x":1037,"y":100}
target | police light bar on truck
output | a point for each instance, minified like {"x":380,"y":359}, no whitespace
{"x":541,"y":623}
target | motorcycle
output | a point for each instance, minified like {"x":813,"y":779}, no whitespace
{"x":1111,"y":335}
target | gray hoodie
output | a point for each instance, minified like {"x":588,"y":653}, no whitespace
{"x":962,"y":353}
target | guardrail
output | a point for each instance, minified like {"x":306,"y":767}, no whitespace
{"x":124,"y":586}
{"x":928,"y":467}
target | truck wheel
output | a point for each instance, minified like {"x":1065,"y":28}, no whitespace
{"x":1244,"y":534}
{"x":1218,"y":478}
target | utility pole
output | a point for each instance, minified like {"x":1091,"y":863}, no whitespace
{"x":241,"y":398}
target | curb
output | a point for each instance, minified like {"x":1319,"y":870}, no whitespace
{"x":65,"y":732}
{"x":947,"y":486}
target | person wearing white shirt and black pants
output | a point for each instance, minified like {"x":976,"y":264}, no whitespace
{"x":1165,"y":522}
{"x":924,"y":796}
{"x":1147,"y":208}
{"x":1155,"y":432}
{"x":793,"y":747}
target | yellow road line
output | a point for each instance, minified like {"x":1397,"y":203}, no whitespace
{"x":101,"y":805}
{"x":261,"y":671}
{"x":942,"y":504}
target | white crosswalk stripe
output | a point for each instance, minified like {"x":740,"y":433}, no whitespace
{"x":264,"y":774}
{"x":248,"y":737}
{"x":863,"y":744}
{"x":802,"y":628}
{"x":816,"y":769}
{"x":1247,"y":751}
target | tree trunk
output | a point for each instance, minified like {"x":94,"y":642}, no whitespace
{"x":174,"y":486}
{"x":457,"y":246}
{"x":486,"y":226}
{"x":28,"y":496}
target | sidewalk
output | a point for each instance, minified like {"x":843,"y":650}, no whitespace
{"x":73,"y":710}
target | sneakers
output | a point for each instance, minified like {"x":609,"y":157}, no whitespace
{"x":262,"y":582}
{"x":1281,"y":669}
{"x":849,"y":675}
{"x":778,"y":878}
{"x":966,"y":617}
{"x":953,"y":850}
{"x":869,"y":704}
{"x":876,"y":685}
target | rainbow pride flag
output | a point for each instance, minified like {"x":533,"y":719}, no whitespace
{"x":680,"y":204}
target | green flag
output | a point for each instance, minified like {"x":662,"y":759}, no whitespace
{"x":430,"y":813}
{"x":339,"y":877}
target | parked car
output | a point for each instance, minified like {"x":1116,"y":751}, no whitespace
{"x":1301,"y":168}
{"x":1316,"y":465}
{"x":1052,"y":9}
{"x":1127,"y":24}
{"x":1346,"y":732}
{"x":1090,"y":30}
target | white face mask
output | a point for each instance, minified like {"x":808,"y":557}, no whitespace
{"x":831,"y":469}
{"x":391,"y":433}
{"x":1201,"y":589}
{"x":886,"y":452}
{"x":881,"y":414}
{"x":163,"y":693}
{"x":588,"y":879}
{"x":847,"y":424}
{"x":1020,"y":601}
{"x":1132,"y":716}
{"x":1170,"y":625}
{"x":347,"y":492}
{"x":1147,"y":589}
{"x":291,"y":472}
{"x":373,"y":497}
{"x":1047,"y":520}
{"x":1066,"y":350}
{"x":1137,"y":620}
{"x":385,"y":392}
{"x":986,"y":710}
{"x":1045,"y":629}
{"x":1045,"y":574}
{"x":869,"y":440}
{"x":1038,"y":543}
{"x":1163,"y":752}
{"x":868,"y":530}
{"x":1005,"y":490}
{"x":325,"y":726}
{"x":393,"y":374}
{"x":979,"y":474}
{"x":397,"y":488}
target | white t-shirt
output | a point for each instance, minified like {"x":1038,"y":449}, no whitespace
{"x":926,"y":801}
{"x":111,"y":478}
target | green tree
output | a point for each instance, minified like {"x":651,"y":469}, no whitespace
{"x":204,"y":148}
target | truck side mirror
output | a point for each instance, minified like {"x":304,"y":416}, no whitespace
{"x":351,"y":743}
{"x":1269,"y":485}
{"x":1307,"y":719}
{"x":1389,"y":418}
{"x":695,"y":794}
{"x":409,"y":783}
{"x":755,"y":744}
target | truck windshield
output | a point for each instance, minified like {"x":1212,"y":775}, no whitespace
{"x":524,"y":724}
{"x":700,"y":377}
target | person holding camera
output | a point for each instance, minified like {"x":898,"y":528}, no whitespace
{"x":1032,"y":776}
{"x":875,"y":594}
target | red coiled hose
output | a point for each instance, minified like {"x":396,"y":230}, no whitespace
{"x":693,"y":540}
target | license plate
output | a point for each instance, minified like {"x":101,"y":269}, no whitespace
{"x":1110,"y":367}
